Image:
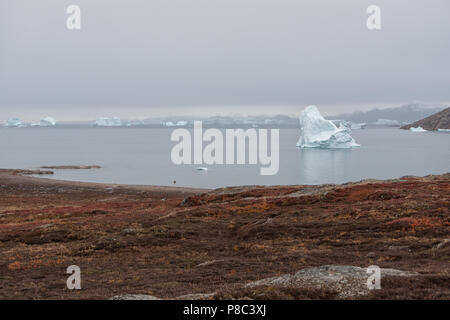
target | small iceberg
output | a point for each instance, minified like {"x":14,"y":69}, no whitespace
{"x":418,"y":129}
{"x":108,"y":122}
{"x":317,"y":132}
{"x":46,"y":122}
{"x":358,"y":126}
{"x":14,"y":123}
{"x":181,"y":123}
{"x":202,"y":169}
{"x":443,"y":130}
{"x":169,"y":124}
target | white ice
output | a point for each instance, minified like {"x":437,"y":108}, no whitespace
{"x":46,"y":122}
{"x":349,"y":124}
{"x":108,"y":122}
{"x":14,"y":122}
{"x":418,"y":129}
{"x":317,"y":132}
{"x":181,"y":123}
{"x":169,"y":124}
{"x":358,"y":126}
{"x":443,"y":130}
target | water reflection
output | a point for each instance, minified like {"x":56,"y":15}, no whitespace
{"x":324,"y":165}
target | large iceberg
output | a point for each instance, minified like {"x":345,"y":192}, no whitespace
{"x":46,"y":122}
{"x":108,"y":122}
{"x":317,"y":132}
{"x":349,"y":124}
{"x":14,"y":122}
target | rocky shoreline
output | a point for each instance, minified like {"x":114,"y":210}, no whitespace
{"x":440,"y":120}
{"x":72,"y":167}
{"x":285,"y":242}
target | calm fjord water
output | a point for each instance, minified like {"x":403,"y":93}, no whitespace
{"x":142,"y":156}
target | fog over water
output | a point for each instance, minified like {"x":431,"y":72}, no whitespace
{"x":139,"y":58}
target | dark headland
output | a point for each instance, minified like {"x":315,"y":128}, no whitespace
{"x":440,"y":120}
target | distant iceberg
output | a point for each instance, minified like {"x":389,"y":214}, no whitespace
{"x":358,"y":126}
{"x":169,"y":124}
{"x":108,"y":122}
{"x":317,"y":132}
{"x":46,"y":122}
{"x":181,"y":123}
{"x":14,"y":123}
{"x":418,"y":129}
{"x":132,"y":123}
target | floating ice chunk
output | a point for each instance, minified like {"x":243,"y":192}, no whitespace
{"x":101,"y":122}
{"x":202,"y":169}
{"x":14,"y":122}
{"x":46,"y":122}
{"x":418,"y":129}
{"x":108,"y":122}
{"x":317,"y":132}
{"x":443,"y":130}
{"x":169,"y":124}
{"x":358,"y":126}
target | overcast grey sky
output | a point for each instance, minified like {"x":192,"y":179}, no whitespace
{"x":142,"y":58}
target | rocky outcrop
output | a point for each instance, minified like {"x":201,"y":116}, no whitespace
{"x":347,"y":281}
{"x":193,"y":296}
{"x":440,"y":120}
{"x":344,"y":281}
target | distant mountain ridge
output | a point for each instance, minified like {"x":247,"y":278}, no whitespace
{"x":440,"y":120}
{"x":402,"y":115}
